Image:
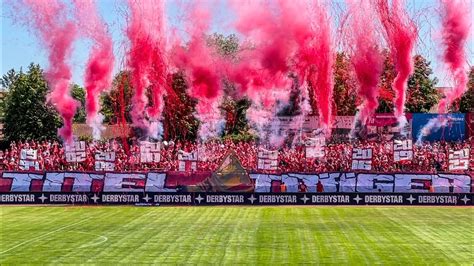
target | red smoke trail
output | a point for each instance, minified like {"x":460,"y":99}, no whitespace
{"x":282,"y":38}
{"x":321,"y":72}
{"x":261,"y":72}
{"x":264,"y":62}
{"x":146,"y":60}
{"x":98,"y":76}
{"x":401,"y":35}
{"x":158,"y":74}
{"x":456,"y":25}
{"x":200,"y":62}
{"x":121,"y":117}
{"x":57,"y":34}
{"x":366,"y":57}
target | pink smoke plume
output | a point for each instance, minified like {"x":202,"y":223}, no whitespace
{"x":146,"y":60}
{"x":98,"y":76}
{"x":200,"y":62}
{"x":321,"y":72}
{"x":283,"y":38}
{"x":57,"y":34}
{"x":401,"y":34}
{"x":366,"y":57}
{"x":456,"y":24}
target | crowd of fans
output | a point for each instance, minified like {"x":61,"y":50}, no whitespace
{"x":427,"y":157}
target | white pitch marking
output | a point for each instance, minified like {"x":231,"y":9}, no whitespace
{"x":42,"y":236}
{"x":102,"y":240}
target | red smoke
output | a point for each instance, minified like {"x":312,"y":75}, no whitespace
{"x":200,"y":62}
{"x":57,"y":34}
{"x":366,"y":57}
{"x":98,"y":76}
{"x":283,"y":37}
{"x":401,"y":34}
{"x":321,"y":72}
{"x":456,"y":25}
{"x":146,"y":60}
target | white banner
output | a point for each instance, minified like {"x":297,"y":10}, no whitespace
{"x":315,"y":147}
{"x":343,"y":122}
{"x":402,"y":150}
{"x":362,"y":159}
{"x":150,"y":152}
{"x":29,"y":160}
{"x":76,"y":152}
{"x":28,"y":154}
{"x":105,"y":161}
{"x":459,"y":159}
{"x":267,"y":160}
{"x":187,"y":161}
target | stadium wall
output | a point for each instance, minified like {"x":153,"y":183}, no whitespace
{"x":202,"y":188}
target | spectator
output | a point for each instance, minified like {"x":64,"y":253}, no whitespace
{"x":319,"y":187}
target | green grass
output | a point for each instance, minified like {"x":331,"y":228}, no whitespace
{"x":236,"y":235}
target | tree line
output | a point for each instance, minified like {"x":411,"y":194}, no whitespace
{"x":27,"y":115}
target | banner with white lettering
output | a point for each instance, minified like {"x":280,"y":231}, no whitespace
{"x":315,"y":147}
{"x":29,"y":160}
{"x":209,"y":198}
{"x":104,"y":161}
{"x":150,"y":152}
{"x":75,"y":152}
{"x":187,"y":161}
{"x":76,"y":181}
{"x":361,"y":159}
{"x":459,"y":159}
{"x":402,"y":150}
{"x":267,"y":160}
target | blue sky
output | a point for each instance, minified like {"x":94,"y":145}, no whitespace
{"x":20,"y":47}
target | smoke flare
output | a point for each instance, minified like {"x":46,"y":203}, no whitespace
{"x":98,"y":76}
{"x":456,"y":25}
{"x":366,"y":57}
{"x":57,"y":34}
{"x":321,"y":73}
{"x":200,"y":62}
{"x":146,"y":33}
{"x":401,"y":34}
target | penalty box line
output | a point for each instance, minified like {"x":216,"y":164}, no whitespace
{"x":43,"y":235}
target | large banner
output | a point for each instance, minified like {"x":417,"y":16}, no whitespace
{"x":196,"y":199}
{"x":232,"y":177}
{"x":388,"y":127}
{"x":454,"y":130}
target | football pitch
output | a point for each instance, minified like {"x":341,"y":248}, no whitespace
{"x":236,"y":235}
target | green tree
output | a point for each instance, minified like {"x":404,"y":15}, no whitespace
{"x":27,"y":116}
{"x":386,"y":92}
{"x":345,"y":92}
{"x":422,"y":94}
{"x":116,"y":105}
{"x":234,"y":107}
{"x":466,"y":103}
{"x":179,"y":122}
{"x":227,"y":46}
{"x":79,"y":94}
{"x":9,"y":78}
